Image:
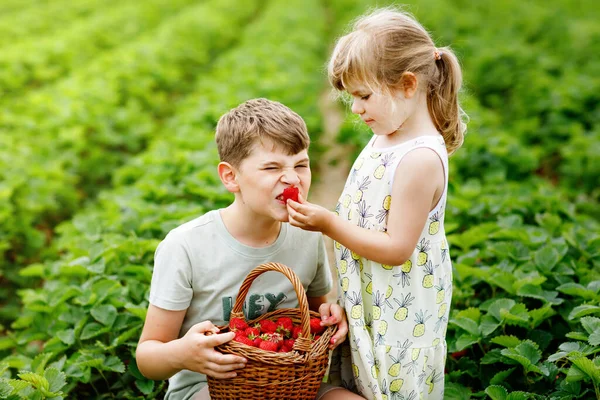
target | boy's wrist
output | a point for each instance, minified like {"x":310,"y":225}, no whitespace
{"x":176,"y":355}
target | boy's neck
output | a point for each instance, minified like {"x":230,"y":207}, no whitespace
{"x":248,"y":228}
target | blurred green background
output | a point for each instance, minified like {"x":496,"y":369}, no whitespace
{"x":106,"y":143}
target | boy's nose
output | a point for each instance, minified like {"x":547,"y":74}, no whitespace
{"x":290,"y":177}
{"x":357,"y":108}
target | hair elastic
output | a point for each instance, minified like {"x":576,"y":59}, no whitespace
{"x":437,"y":55}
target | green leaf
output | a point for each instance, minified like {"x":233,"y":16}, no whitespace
{"x":584,"y":309}
{"x":114,"y":364}
{"x":467,"y":324}
{"x":465,"y":341}
{"x":501,"y":376}
{"x":67,"y":336}
{"x":496,"y":392}
{"x":456,"y":391}
{"x":577,"y":290}
{"x":506,"y":341}
{"x":517,"y":316}
{"x":33,"y":271}
{"x":594,"y":339}
{"x":145,"y":386}
{"x":539,"y":315}
{"x":5,"y":388}
{"x":38,"y":381}
{"x":588,"y":367}
{"x":93,"y":329}
{"x":498,"y":306}
{"x":488,"y":325}
{"x":55,"y":378}
{"x":537,"y":292}
{"x":590,"y":324}
{"x":471,"y":313}
{"x":546,"y":258}
{"x":105,"y":314}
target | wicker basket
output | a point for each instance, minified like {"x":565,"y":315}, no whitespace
{"x":295,"y":375}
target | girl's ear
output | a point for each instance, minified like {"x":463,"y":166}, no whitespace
{"x":228,"y":176}
{"x":409,"y":84}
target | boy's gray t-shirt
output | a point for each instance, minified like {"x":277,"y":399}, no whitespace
{"x":200,"y":267}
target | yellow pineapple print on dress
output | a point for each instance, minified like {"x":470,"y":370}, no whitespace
{"x":361,"y":188}
{"x":356,"y":311}
{"x":405,"y":273}
{"x":387,"y":267}
{"x":441,"y":292}
{"x":346,"y":200}
{"x":432,"y":379}
{"x":394,"y":369}
{"x":423,"y":248}
{"x":384,"y":390}
{"x":355,"y":370}
{"x":434,"y":225}
{"x":359,"y":163}
{"x":383,"y":213}
{"x":369,"y":288}
{"x":375,"y":155}
{"x":428,"y":278}
{"x":337,"y":245}
{"x":396,"y":386}
{"x":374,"y":363}
{"x":435,"y":342}
{"x":344,"y":255}
{"x":402,"y":312}
{"x":356,"y":261}
{"x":345,"y":283}
{"x":377,"y":304}
{"x":380,"y":170}
{"x":442,"y":310}
{"x":420,"y":318}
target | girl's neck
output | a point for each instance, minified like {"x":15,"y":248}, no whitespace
{"x":249,"y":228}
{"x":417,"y":124}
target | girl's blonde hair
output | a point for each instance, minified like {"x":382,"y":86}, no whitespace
{"x":385,"y":44}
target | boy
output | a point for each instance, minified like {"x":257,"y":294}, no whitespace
{"x":199,"y":267}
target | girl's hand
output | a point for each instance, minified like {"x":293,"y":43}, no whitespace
{"x":332,"y":314}
{"x":308,"y":216}
{"x":199,"y":354}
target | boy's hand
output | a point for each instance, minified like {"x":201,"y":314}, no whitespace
{"x":332,"y":314}
{"x":308,"y":216}
{"x":199,"y":354}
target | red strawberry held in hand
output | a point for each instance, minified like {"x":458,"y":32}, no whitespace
{"x":315,"y":326}
{"x":290,"y":193}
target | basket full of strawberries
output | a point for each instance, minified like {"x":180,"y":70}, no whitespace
{"x":287,"y":349}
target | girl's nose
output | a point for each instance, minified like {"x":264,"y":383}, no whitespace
{"x":357,"y":108}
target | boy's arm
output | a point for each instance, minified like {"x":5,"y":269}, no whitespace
{"x":160,"y":354}
{"x":414,"y":187}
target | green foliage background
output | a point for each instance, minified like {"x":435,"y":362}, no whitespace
{"x":106,"y":123}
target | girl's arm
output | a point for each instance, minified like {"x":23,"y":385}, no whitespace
{"x":417,"y":186}
{"x":331,"y":314}
{"x":160,"y":354}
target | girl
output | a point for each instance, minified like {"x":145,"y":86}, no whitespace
{"x":392,"y":256}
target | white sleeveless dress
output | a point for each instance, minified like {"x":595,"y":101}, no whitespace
{"x":397,"y":315}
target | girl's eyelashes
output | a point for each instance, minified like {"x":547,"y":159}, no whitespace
{"x":365,"y":97}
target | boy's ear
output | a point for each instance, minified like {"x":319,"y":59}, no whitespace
{"x":408,"y":84}
{"x":228,"y":176}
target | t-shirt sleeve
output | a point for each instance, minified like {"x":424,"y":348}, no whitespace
{"x":171,"y":286}
{"x":322,"y":283}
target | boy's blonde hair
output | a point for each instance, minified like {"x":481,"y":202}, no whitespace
{"x":257,"y":121}
{"x":389,"y":42}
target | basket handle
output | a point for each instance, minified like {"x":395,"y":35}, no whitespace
{"x":291,"y":275}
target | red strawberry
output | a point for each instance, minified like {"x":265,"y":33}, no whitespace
{"x":286,"y":323}
{"x":296,"y":332}
{"x":251,"y":331}
{"x":237,"y":324}
{"x":268,"y":345}
{"x":267,"y":326}
{"x":244,"y":340}
{"x":289,"y":343}
{"x":290,"y":193}
{"x":315,"y":326}
{"x":257,"y":341}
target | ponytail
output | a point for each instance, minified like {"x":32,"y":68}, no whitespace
{"x":442,"y":99}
